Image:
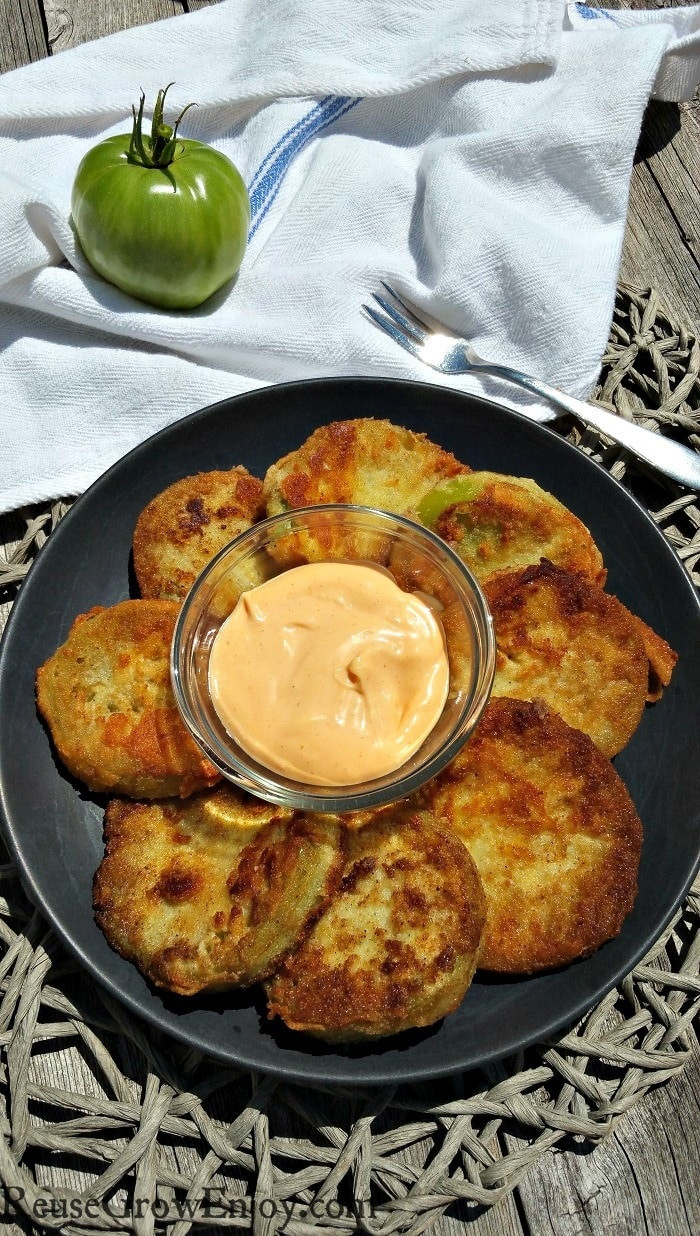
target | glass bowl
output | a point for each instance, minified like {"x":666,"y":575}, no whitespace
{"x":419,"y":562}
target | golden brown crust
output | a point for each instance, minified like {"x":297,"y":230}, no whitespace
{"x":183,"y":528}
{"x":106,"y":696}
{"x":212,"y":892}
{"x":397,"y":946}
{"x":552,"y":830}
{"x":364,"y":462}
{"x":564,"y":640}
{"x":510,"y":523}
{"x":662,"y":660}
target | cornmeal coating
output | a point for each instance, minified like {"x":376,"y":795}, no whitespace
{"x":211,"y":892}
{"x":503,"y":523}
{"x":552,"y":830}
{"x":106,"y":697}
{"x":186,"y":525}
{"x":364,"y":462}
{"x":565,"y":641}
{"x":397,"y":945}
{"x":662,"y":659}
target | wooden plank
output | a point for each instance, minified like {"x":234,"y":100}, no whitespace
{"x":662,"y":240}
{"x":23,"y":36}
{"x":499,"y":1220}
{"x":70,"y":22}
{"x":670,"y":148}
{"x":641,"y":1181}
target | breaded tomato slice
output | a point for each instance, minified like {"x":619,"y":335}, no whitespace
{"x":183,"y":528}
{"x":503,"y":523}
{"x":397,"y":946}
{"x":364,"y":462}
{"x":552,"y":830}
{"x":565,"y":641}
{"x":212,"y":892}
{"x":106,"y":697}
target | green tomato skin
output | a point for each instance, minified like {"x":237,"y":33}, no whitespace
{"x":446,"y":493}
{"x":168,"y":236}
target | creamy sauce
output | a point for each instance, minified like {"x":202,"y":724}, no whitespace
{"x":330,"y":673}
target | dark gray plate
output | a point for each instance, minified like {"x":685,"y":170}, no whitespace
{"x":53,"y":827}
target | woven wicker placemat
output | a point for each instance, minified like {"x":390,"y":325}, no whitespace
{"x":144,"y":1135}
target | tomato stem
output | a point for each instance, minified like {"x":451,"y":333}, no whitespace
{"x":160,"y":149}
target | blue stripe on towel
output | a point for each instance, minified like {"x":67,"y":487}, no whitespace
{"x":268,"y":178}
{"x":590,"y":14}
{"x":287,"y":136}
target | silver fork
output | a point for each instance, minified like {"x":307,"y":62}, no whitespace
{"x":432,"y":343}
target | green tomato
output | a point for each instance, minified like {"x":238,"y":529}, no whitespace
{"x":446,"y":493}
{"x":164,"y":219}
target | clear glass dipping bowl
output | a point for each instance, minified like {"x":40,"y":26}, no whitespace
{"x":419,"y":561}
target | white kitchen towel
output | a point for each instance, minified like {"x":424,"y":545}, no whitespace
{"x":476,"y":153}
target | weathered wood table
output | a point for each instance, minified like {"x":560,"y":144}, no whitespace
{"x":644,"y":1177}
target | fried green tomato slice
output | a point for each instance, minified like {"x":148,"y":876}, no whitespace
{"x":186,"y":525}
{"x":552,"y":830}
{"x":503,"y":523}
{"x":211,"y":892}
{"x":364,"y":462}
{"x":397,"y":945}
{"x":565,"y":641}
{"x":106,"y":697}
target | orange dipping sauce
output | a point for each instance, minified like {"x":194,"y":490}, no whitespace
{"x":329,"y":673}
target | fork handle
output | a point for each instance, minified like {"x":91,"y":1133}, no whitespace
{"x":673,"y":458}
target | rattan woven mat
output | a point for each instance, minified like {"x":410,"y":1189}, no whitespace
{"x":109,"y":1126}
